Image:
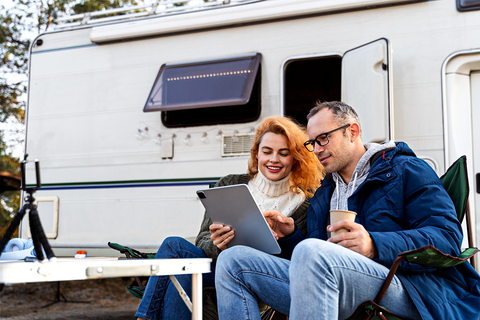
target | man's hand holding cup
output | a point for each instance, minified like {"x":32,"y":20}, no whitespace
{"x":351,"y":235}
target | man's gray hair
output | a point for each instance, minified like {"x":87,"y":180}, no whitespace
{"x":342,"y":112}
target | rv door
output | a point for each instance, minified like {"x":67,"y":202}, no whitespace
{"x":367,"y":87}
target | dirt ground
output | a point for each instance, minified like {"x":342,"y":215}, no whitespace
{"x":106,"y":299}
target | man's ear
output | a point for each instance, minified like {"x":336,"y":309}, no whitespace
{"x":354,"y":131}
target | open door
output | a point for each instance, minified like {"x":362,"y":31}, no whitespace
{"x":367,"y":87}
{"x":475,"y":192}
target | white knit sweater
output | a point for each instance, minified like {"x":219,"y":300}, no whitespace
{"x":275,"y":195}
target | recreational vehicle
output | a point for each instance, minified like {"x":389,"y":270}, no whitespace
{"x":130,"y":114}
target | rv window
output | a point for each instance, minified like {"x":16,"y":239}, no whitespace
{"x":219,"y":83}
{"x":467,"y":5}
{"x":308,"y":80}
{"x":217,"y":115}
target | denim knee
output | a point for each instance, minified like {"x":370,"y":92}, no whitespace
{"x":312,"y":247}
{"x":312,"y":253}
{"x":170,"y":247}
{"x":231,"y":256}
{"x":303,"y":250}
{"x":233,"y":260}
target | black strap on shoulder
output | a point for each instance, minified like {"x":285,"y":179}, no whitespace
{"x":379,"y":154}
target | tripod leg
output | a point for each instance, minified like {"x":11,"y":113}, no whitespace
{"x":11,"y":228}
{"x":59,"y":297}
{"x":36,"y":242}
{"x":37,"y":230}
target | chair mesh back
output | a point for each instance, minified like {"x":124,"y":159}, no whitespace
{"x":455,"y":181}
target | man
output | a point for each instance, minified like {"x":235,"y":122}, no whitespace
{"x":401,"y":205}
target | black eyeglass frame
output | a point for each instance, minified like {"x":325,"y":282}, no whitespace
{"x":312,"y":142}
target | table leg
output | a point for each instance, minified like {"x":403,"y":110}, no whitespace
{"x":197,"y":296}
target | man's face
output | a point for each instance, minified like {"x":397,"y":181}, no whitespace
{"x":337,"y":155}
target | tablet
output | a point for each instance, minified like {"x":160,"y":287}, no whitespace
{"x":235,"y":206}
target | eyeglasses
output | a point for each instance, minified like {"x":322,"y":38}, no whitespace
{"x":321,"y":139}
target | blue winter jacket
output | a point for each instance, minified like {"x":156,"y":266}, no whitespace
{"x":404,"y":206}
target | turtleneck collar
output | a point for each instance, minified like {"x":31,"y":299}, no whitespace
{"x":271,"y":188}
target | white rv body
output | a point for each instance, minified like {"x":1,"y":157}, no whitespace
{"x":415,"y":77}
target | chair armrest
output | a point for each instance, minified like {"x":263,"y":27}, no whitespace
{"x":429,"y":256}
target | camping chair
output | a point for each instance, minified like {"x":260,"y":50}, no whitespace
{"x":455,"y":181}
{"x":137,"y":288}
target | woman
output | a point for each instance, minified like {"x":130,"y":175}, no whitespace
{"x":282,"y":175}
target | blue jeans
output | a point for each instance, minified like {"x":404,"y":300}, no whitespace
{"x":161,"y":299}
{"x":322,"y":281}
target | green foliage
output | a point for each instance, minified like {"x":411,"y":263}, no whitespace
{"x":10,"y":203}
{"x":7,"y":161}
{"x":13,"y":67}
{"x":97,"y":5}
{"x":10,"y":200}
{"x":13,"y":63}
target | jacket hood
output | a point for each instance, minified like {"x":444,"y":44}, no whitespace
{"x":403,"y":148}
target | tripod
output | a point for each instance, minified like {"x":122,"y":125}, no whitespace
{"x":38,"y":235}
{"x":36,"y":229}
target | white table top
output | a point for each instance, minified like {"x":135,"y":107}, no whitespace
{"x":67,"y":269}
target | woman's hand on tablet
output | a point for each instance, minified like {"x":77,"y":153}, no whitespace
{"x":221,"y":235}
{"x":281,"y":226}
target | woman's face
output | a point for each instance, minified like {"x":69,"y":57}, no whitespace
{"x":274,"y":158}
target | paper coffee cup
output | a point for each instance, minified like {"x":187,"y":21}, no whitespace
{"x":337,"y":215}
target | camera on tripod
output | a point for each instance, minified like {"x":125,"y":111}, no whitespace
{"x":23,"y":186}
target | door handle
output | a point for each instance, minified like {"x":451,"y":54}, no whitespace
{"x":478,"y":182}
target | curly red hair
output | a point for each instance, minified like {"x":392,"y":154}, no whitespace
{"x":307,"y":171}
